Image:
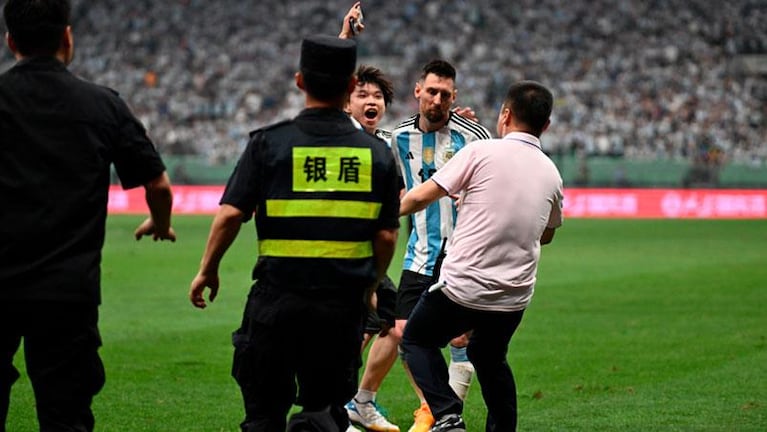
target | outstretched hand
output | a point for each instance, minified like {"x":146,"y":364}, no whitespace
{"x":147,"y":228}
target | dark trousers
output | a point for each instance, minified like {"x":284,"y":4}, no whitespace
{"x":434,"y":322}
{"x":61,"y":342}
{"x":292,"y":343}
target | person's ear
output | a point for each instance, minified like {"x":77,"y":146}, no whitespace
{"x":300,"y":81}
{"x":506,"y":116}
{"x":67,"y":45}
{"x":67,"y":38}
{"x":417,"y":90}
{"x":546,"y":126}
{"x":11,"y":43}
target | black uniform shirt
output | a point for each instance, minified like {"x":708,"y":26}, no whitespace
{"x":267,"y":175}
{"x":58,"y":136}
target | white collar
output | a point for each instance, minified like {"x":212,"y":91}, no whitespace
{"x":356,"y":124}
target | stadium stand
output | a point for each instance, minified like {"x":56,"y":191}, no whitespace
{"x":675,"y":82}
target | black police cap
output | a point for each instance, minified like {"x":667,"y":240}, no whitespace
{"x":328,"y":56}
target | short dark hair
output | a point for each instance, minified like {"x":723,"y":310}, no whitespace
{"x":440,"y":68}
{"x":372,"y":75}
{"x":324,"y":88}
{"x":531,"y":104}
{"x":36,"y":26}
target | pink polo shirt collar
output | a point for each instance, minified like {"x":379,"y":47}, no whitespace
{"x":523,"y":137}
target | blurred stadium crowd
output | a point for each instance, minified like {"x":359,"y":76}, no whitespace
{"x":633,"y":78}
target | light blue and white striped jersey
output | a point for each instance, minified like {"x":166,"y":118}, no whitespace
{"x":420,"y":154}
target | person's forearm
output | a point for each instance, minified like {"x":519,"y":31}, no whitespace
{"x":223,"y":231}
{"x":411,"y":204}
{"x":159,"y":199}
{"x":384,"y":245}
{"x":420,"y":197}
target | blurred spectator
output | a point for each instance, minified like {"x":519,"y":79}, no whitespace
{"x":640,"y":79}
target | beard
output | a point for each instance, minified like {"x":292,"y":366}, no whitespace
{"x":435,"y":115}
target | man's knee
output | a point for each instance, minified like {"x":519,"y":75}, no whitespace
{"x":461,"y":341}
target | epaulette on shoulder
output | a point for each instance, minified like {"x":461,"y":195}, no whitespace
{"x":269,"y":127}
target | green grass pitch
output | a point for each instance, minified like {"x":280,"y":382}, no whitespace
{"x":635,"y":326}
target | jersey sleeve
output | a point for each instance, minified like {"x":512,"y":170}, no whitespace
{"x":485,"y":134}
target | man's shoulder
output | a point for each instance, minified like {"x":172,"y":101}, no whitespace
{"x":469,"y":128}
{"x":274,"y":127}
{"x":407,"y":125}
{"x":90,"y":92}
{"x":85,"y":99}
{"x":62,"y":76}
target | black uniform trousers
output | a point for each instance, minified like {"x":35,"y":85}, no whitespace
{"x":61,"y":342}
{"x":292,"y":341}
{"x":434,"y":322}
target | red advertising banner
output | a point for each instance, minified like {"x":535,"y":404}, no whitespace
{"x":666,"y":203}
{"x":186,"y":200}
{"x":579,"y":203}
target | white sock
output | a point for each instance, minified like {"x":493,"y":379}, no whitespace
{"x":364,"y":396}
{"x":460,"y":374}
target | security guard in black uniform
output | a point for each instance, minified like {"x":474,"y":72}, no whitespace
{"x":59,"y":134}
{"x":325,"y":199}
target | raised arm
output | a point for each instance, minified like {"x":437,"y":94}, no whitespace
{"x":346,"y":27}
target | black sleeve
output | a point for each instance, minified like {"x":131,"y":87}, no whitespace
{"x":242,"y":189}
{"x":134,"y":156}
{"x":389,"y":216}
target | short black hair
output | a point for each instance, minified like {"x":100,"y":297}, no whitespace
{"x":372,"y":75}
{"x":531,"y":104}
{"x":326,"y":89}
{"x":440,"y":68}
{"x":36,"y":26}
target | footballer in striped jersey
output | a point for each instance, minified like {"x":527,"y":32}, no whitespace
{"x":422,"y":144}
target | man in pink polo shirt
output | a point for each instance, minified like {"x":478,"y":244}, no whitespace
{"x":510,"y":203}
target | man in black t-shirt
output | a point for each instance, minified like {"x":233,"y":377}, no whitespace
{"x":58,"y":137}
